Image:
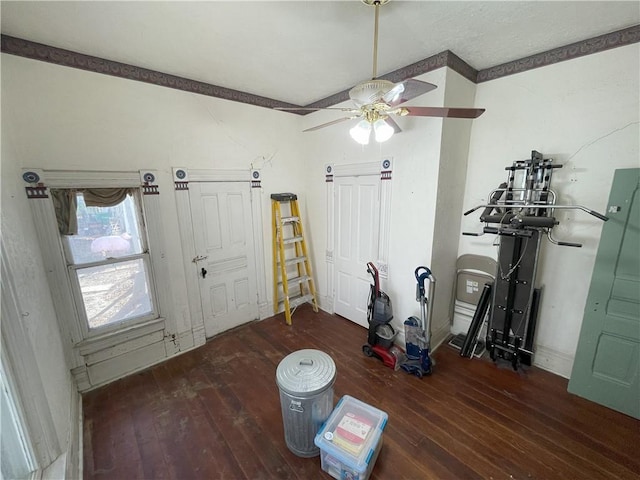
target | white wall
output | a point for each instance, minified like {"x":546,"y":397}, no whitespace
{"x":459,"y":92}
{"x":62,"y":118}
{"x":584,"y":114}
{"x":34,"y":305}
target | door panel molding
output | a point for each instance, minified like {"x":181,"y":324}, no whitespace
{"x":182,"y":178}
{"x":606,"y":366}
{"x":334,"y":173}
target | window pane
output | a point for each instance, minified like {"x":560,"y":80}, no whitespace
{"x":115,"y":292}
{"x":105,"y":232}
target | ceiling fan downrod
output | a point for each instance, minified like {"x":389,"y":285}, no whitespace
{"x":376,"y":4}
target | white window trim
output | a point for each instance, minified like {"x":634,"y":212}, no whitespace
{"x":78,"y":343}
{"x":83,"y":323}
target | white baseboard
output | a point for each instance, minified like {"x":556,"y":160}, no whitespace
{"x":70,"y":463}
{"x":545,"y":358}
{"x":265,"y":310}
{"x":186,"y":340}
{"x":553,"y":361}
{"x":440,"y":335}
{"x":325,"y":303}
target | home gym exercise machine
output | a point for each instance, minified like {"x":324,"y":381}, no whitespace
{"x":519,"y":211}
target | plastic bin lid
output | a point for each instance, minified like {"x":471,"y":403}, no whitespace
{"x":352,"y":433}
{"x":306,"y":372}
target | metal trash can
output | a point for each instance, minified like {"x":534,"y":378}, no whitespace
{"x":305,"y":379}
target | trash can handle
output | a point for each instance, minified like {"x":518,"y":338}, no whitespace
{"x":306,"y":361}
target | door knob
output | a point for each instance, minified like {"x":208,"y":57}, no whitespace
{"x":204,"y":272}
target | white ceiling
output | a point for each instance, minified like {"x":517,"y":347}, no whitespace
{"x":302,"y":51}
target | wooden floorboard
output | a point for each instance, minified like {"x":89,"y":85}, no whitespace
{"x":214,"y":413}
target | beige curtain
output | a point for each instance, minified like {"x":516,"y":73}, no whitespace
{"x":105,"y":197}
{"x":65,"y":206}
{"x":64,"y":203}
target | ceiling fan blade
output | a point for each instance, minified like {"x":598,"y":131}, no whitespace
{"x":311,"y":109}
{"x":340,"y":120}
{"x":405,"y":91}
{"x":390,"y":121}
{"x":443,"y":112}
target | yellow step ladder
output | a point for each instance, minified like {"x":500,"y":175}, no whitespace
{"x":291,"y":266}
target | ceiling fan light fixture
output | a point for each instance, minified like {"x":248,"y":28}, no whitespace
{"x":369,"y":92}
{"x":377,"y":101}
{"x":383,"y":131}
{"x":361,"y":132}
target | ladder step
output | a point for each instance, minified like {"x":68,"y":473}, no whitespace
{"x":283,"y":267}
{"x":297,"y":280}
{"x":291,"y":240}
{"x":294,"y":261}
{"x":299,"y":300}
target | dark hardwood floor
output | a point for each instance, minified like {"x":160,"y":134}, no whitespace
{"x":215,"y":413}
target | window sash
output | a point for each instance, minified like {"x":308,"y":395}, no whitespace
{"x":116,"y":325}
{"x":74,"y":280}
{"x":108,"y":261}
{"x":137,"y":202}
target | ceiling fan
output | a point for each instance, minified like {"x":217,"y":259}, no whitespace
{"x":377,"y":101}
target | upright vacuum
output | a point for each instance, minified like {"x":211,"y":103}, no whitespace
{"x":379,"y":314}
{"x":417,"y":331}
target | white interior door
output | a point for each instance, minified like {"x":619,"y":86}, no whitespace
{"x":221,"y":214}
{"x":357,"y":215}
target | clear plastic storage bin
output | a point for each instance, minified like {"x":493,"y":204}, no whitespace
{"x":351,"y":439}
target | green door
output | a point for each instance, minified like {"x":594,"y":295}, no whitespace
{"x":608,"y":355}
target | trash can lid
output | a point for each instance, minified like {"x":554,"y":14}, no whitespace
{"x":305,"y":372}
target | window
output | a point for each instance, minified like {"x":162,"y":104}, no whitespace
{"x":107,"y":258}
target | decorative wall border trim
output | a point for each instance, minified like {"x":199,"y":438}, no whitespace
{"x":608,"y":41}
{"x":443,"y":59}
{"x":68,"y":58}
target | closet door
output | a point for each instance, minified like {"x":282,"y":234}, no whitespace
{"x":357,"y":227}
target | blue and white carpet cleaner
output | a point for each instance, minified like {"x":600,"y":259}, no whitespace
{"x":417,"y":331}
